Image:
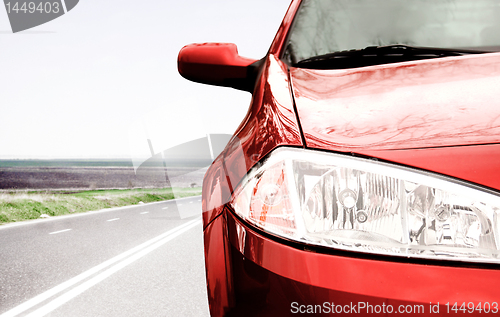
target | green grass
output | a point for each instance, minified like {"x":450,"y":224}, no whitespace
{"x":19,"y":206}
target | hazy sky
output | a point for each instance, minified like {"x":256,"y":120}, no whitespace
{"x":98,"y":81}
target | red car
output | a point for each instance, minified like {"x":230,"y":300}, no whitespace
{"x":365,"y":177}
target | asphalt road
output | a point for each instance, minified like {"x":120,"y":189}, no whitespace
{"x":144,"y":260}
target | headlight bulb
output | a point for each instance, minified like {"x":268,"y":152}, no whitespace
{"x":348,"y":198}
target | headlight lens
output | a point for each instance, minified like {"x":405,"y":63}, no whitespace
{"x":362,"y":205}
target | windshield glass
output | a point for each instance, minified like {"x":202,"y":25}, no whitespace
{"x":326,"y":26}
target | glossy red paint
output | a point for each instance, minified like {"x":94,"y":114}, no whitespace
{"x":269,"y":123}
{"x":218,"y":273}
{"x":429,"y":103}
{"x":477,"y":164}
{"x":256,"y":274}
{"x":282,"y":274}
{"x":277,"y":47}
{"x":213,"y":63}
{"x":440,"y":115}
{"x":216,"y":191}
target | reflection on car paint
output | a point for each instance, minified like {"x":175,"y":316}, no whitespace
{"x":428,"y":103}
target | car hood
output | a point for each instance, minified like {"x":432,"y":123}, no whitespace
{"x":441,"y":114}
{"x":421,"y":104}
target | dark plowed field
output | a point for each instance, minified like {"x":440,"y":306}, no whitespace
{"x":40,"y":178}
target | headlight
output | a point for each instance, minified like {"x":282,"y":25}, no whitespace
{"x":363,"y":205}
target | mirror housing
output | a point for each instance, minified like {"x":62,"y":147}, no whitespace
{"x":217,"y":64}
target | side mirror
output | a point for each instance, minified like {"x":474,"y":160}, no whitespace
{"x":217,"y":64}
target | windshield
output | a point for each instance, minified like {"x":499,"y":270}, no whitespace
{"x":326,"y":26}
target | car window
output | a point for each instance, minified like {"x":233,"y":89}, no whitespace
{"x":325,"y":26}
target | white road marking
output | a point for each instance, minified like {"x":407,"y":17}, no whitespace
{"x":165,"y":208}
{"x":56,"y":232}
{"x":128,"y":257}
{"x":114,"y":219}
{"x":190,"y":202}
{"x":199,"y":199}
{"x":179,"y":204}
{"x":143,"y":213}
